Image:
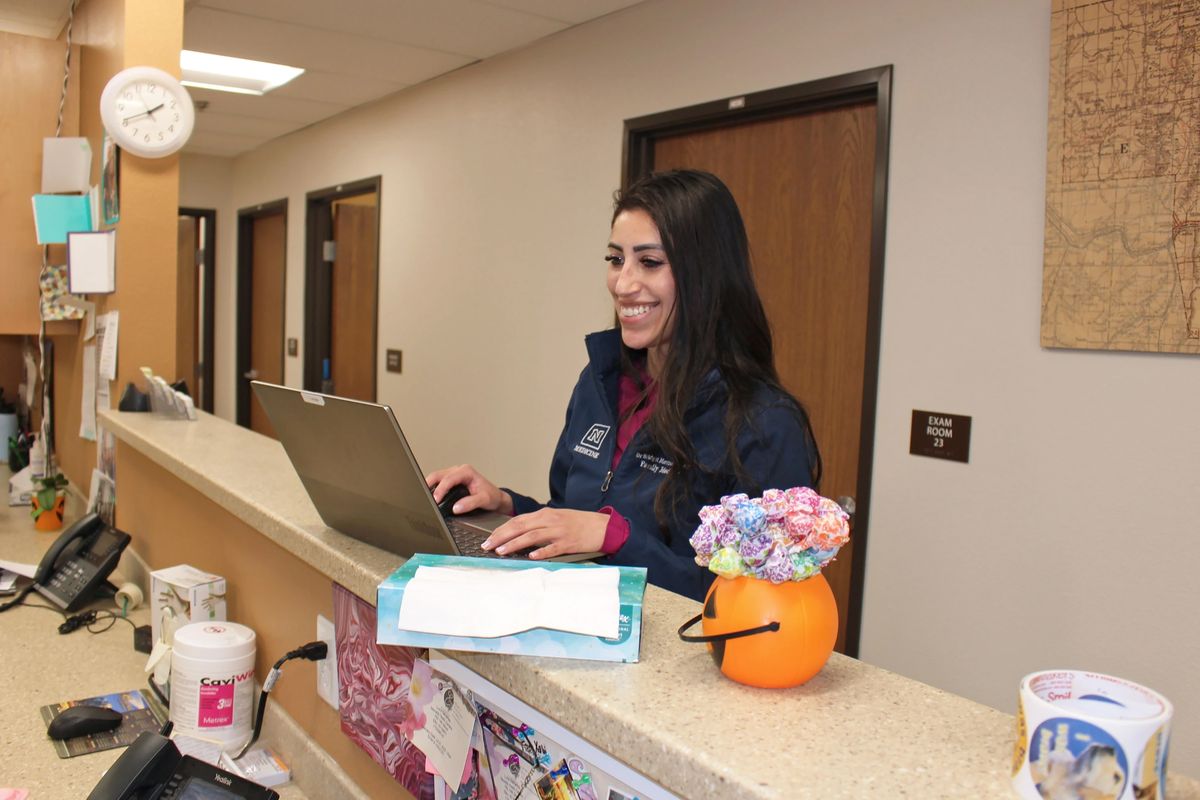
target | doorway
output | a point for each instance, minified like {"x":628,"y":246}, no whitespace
{"x":196,"y":297}
{"x":808,"y":167}
{"x":262,"y":279}
{"x":342,"y":289}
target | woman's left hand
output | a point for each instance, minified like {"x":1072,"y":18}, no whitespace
{"x":553,"y":531}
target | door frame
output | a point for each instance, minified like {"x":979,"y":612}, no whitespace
{"x":209,"y":290}
{"x":245,"y":302}
{"x":869,"y":85}
{"x":318,"y":284}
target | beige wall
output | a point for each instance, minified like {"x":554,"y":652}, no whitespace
{"x":1068,"y":541}
{"x":206,"y":182}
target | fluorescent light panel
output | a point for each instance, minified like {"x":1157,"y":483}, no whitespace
{"x":228,"y":74}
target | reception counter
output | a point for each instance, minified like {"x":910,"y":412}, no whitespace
{"x":853,"y":731}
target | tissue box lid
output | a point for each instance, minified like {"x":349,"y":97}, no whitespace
{"x":185,"y":576}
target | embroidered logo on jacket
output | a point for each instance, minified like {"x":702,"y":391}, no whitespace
{"x":592,"y":440}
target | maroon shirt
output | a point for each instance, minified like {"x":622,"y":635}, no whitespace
{"x":617,"y":531}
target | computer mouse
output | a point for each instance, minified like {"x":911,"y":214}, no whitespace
{"x":456,"y":493}
{"x":82,"y":720}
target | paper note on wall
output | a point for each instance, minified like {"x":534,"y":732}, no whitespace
{"x":106,"y":330}
{"x":87,"y":412}
{"x":92,"y":262}
{"x":449,"y":720}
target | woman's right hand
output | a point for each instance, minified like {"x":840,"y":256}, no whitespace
{"x":483,"y":494}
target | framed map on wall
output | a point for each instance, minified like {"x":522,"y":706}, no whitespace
{"x":1122,"y":249}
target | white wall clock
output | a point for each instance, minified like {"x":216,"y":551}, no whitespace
{"x":147,"y":112}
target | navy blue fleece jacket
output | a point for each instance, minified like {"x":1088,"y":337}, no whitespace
{"x":772,"y":445}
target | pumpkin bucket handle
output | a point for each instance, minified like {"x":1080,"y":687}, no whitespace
{"x":721,"y":637}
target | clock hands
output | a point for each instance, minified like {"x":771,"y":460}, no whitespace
{"x":148,"y":112}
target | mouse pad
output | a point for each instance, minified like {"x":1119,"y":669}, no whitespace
{"x":140,"y":712}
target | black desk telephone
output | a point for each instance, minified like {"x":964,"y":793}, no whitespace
{"x":153,"y":769}
{"x":79,"y":562}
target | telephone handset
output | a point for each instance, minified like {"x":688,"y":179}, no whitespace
{"x":152,"y":768}
{"x":76,"y":565}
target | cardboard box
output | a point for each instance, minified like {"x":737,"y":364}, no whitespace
{"x":183,"y":594}
{"x":537,"y":642}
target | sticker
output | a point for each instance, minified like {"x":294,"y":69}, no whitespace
{"x":216,"y":705}
{"x":1070,"y":758}
{"x":1019,"y":749}
{"x":315,"y":399}
{"x":1150,"y":781}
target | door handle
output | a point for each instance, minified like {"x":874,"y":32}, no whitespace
{"x":251,"y":375}
{"x":848,"y":505}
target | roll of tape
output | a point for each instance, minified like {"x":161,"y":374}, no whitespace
{"x":129,"y":597}
{"x":1087,"y":735}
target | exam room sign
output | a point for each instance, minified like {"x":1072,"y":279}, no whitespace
{"x":940,"y":435}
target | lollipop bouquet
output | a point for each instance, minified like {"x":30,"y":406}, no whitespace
{"x":785,"y":535}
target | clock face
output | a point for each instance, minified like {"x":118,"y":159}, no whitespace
{"x":147,"y":112}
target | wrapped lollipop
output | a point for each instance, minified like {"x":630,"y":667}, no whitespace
{"x":727,"y":562}
{"x":704,"y":541}
{"x":785,"y":535}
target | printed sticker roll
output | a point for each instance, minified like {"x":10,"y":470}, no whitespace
{"x":1087,"y":736}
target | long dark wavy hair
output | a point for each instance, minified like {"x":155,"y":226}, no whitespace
{"x":719,"y":324}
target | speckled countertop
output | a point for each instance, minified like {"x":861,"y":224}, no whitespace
{"x":41,"y":667}
{"x":853,"y":731}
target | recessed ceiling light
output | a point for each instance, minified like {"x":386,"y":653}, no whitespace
{"x":228,"y":74}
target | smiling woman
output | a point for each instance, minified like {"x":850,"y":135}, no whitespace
{"x":678,"y":406}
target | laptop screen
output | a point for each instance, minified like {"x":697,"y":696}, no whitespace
{"x":357,"y":468}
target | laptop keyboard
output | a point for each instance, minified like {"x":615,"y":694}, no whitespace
{"x":469,"y":540}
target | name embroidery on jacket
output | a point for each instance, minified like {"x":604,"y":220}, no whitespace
{"x":652,"y":463}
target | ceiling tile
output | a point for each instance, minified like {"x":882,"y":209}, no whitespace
{"x":208,"y":121}
{"x":42,"y":18}
{"x":340,"y":89}
{"x":354,"y":51}
{"x":269,"y":106}
{"x":567,"y":11}
{"x":465,"y":27}
{"x":221,"y":32}
{"x":222,"y":144}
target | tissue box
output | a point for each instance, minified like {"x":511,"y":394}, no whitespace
{"x":183,"y":594}
{"x":536,"y":642}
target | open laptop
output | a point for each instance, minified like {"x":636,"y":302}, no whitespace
{"x":364,"y":480}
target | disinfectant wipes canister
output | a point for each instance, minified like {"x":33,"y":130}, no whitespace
{"x":212,"y":681}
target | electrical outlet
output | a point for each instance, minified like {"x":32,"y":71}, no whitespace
{"x":327,"y":673}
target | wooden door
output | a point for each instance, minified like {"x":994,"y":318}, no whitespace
{"x":353,"y":297}
{"x":266,"y":310}
{"x":804,"y":184}
{"x":187,"y":295}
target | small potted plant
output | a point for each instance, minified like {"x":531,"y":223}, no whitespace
{"x":48,"y":501}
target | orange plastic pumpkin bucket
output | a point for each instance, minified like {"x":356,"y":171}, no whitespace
{"x":771,"y":635}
